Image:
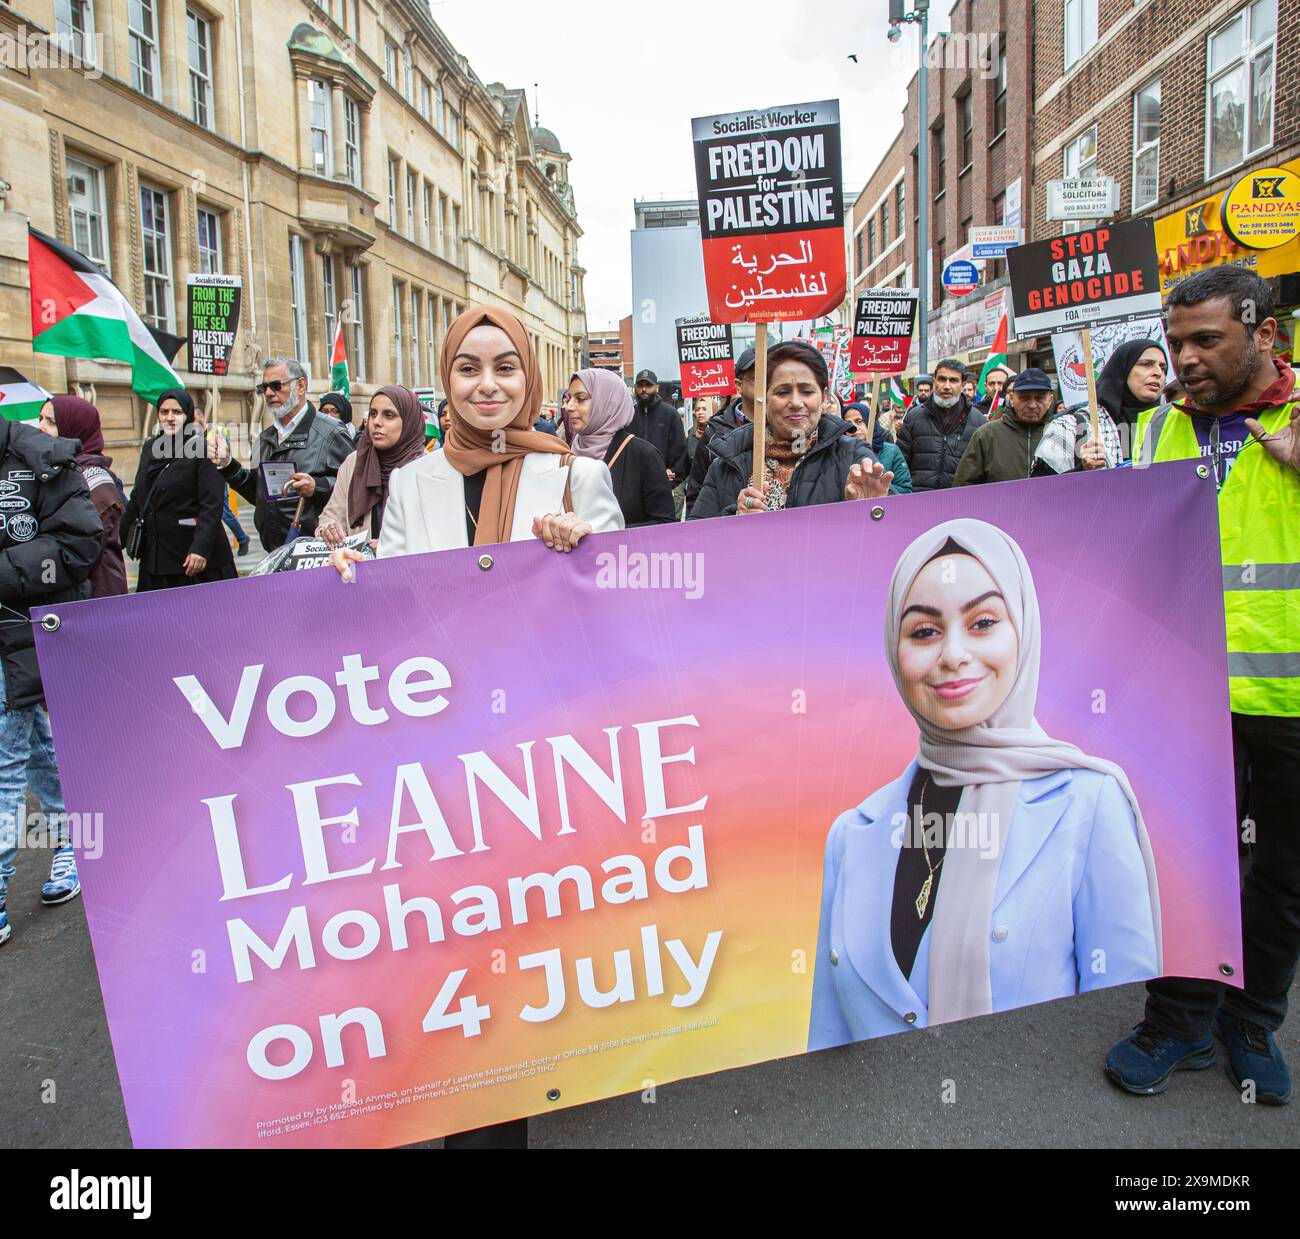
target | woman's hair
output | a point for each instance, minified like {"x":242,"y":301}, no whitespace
{"x":805,"y":355}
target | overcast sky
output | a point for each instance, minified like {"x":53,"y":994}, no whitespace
{"x":619,"y":85}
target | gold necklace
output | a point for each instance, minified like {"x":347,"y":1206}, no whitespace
{"x":927,"y":887}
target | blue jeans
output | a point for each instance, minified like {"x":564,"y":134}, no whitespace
{"x":231,"y":522}
{"x":26,"y":760}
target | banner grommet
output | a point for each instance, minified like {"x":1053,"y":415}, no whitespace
{"x":1228,"y":970}
{"x":51,"y":622}
{"x":553,"y":1094}
{"x":1202,"y":471}
{"x":877,"y":513}
{"x":485,"y":562}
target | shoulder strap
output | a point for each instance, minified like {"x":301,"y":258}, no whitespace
{"x":568,"y":482}
{"x":621,"y":448}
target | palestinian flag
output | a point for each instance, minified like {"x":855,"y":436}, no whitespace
{"x":20,"y":401}
{"x":339,"y":364}
{"x":997,"y":355}
{"x":77,"y":311}
{"x":897,"y":395}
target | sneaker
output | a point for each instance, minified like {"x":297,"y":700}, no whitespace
{"x":5,"y":928}
{"x":244,"y":545}
{"x":1145,"y":1062}
{"x":63,"y":883}
{"x":1253,"y":1055}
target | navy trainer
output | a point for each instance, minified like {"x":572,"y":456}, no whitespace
{"x":1145,"y":1062}
{"x":1253,"y":1054}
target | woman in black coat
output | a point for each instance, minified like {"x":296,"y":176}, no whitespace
{"x":178,"y":498}
{"x":808,"y":458}
{"x":596,"y":418}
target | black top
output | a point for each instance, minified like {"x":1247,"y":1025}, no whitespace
{"x":640,"y":480}
{"x":906,"y":928}
{"x":473,"y":497}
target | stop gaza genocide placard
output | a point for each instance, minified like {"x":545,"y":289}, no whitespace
{"x":1084,"y":279}
{"x":771,"y":212}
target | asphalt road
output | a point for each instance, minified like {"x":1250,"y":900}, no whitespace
{"x":1025,"y":1079}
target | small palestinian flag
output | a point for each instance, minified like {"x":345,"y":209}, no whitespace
{"x":897,"y":395}
{"x":339,"y":364}
{"x":20,"y":401}
{"x":77,"y":311}
{"x":997,"y":355}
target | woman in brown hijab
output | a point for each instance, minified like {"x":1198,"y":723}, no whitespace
{"x":393,"y":436}
{"x":497,"y":479}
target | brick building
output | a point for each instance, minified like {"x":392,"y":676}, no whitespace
{"x":981,"y":142}
{"x":1175,"y":99}
{"x":878,"y":253}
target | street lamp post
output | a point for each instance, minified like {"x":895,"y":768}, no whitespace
{"x":921,"y":16}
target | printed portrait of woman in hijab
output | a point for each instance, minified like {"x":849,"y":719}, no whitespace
{"x":1003,"y":867}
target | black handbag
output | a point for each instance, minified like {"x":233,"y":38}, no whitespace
{"x":135,"y":543}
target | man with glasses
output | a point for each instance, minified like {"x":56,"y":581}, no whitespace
{"x":1008,"y":448}
{"x":313,"y":444}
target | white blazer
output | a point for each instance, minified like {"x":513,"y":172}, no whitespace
{"x":426,"y":501}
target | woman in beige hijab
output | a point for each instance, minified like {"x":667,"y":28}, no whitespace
{"x":1003,"y":867}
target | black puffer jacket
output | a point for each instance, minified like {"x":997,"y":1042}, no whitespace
{"x":818,"y":478}
{"x":51,"y":538}
{"x":932,"y":455}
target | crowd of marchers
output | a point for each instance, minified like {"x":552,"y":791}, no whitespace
{"x":496,"y":469}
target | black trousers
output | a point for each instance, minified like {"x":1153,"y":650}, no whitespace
{"x":1267,"y":754}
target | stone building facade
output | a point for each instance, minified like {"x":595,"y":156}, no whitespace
{"x":342,"y":157}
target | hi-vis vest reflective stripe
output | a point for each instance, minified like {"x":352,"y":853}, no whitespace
{"x":1259,"y":529}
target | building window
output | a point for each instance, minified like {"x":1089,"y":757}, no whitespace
{"x":455,"y":234}
{"x":74,"y":24}
{"x":358,"y":326}
{"x":410,"y":206}
{"x":439,"y":108}
{"x":1146,"y":146}
{"x":858,"y":264}
{"x":966,"y":104}
{"x":209,"y":229}
{"x":86,"y":198}
{"x":1000,"y":91}
{"x":884,"y":227}
{"x":392,"y":194}
{"x":200,"y":45}
{"x":1081,"y":156}
{"x":408,"y":76}
{"x":940,"y":161}
{"x":451,"y":129}
{"x":442,"y":225}
{"x":352,"y":139}
{"x":322,"y":127}
{"x":902,"y":203}
{"x":415,"y":337}
{"x":142,"y":30}
{"x":426,"y":99}
{"x":1080,"y":29}
{"x":427,"y":216}
{"x":397,"y":333}
{"x":329,"y":304}
{"x":390,"y":64}
{"x":297,"y":297}
{"x":155,"y":243}
{"x":871,"y":241}
{"x":1239,"y":92}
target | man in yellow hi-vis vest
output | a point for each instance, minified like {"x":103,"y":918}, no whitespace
{"x":1241,"y":416}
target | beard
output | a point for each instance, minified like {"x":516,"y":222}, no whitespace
{"x":944,"y":402}
{"x":1226,"y":389}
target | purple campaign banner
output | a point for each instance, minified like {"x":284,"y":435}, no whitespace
{"x":489,"y":833}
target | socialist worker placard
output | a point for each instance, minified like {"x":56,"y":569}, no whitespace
{"x":771,"y":212}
